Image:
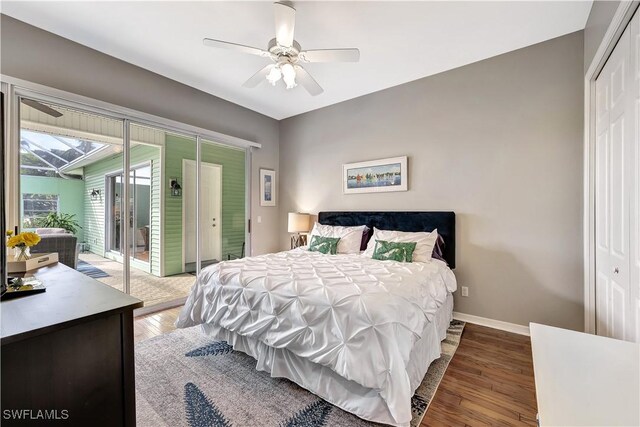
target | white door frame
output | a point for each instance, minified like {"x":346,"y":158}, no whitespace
{"x":620,"y":20}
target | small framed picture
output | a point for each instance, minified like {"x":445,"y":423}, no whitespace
{"x":267,"y":187}
{"x":375,"y":176}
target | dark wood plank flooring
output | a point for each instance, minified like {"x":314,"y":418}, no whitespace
{"x":489,"y":381}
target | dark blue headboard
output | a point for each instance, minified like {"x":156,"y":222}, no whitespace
{"x":445,"y":222}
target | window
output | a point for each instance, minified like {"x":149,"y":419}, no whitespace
{"x":37,"y":205}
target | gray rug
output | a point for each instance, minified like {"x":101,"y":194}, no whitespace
{"x":90,"y":270}
{"x":185,"y":379}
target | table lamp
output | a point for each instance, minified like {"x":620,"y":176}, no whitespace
{"x":298,"y":223}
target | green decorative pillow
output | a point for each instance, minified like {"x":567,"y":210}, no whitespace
{"x":325,"y":245}
{"x":394,"y":251}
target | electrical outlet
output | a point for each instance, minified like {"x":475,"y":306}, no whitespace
{"x":465,"y":291}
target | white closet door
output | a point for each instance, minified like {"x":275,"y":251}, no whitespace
{"x":634,"y":183}
{"x":615,"y":133}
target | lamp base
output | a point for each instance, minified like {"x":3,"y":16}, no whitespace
{"x":298,"y":240}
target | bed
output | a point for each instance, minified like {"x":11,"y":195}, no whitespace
{"x":358,"y":332}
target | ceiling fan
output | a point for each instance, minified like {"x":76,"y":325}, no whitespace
{"x":41,"y":107}
{"x":287,"y":55}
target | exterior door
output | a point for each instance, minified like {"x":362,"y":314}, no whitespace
{"x":211,"y":213}
{"x":616,"y":135}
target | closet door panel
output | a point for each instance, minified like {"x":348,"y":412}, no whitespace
{"x":619,"y":206}
{"x":619,"y":227}
{"x":615,"y":128}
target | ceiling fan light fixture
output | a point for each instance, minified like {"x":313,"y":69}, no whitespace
{"x":274,"y":75}
{"x":289,"y":75}
{"x":286,"y":54}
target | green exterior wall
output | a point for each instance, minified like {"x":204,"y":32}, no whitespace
{"x":94,"y":209}
{"x":71,"y":193}
{"x":233,"y":197}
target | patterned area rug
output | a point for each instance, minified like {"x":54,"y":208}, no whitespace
{"x":184,"y":379}
{"x":90,"y":270}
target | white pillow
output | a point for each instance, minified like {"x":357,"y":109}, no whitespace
{"x":425,"y":242}
{"x":350,"y":237}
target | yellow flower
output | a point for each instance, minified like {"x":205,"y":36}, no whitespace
{"x":9,"y":233}
{"x":14,"y":241}
{"x":30,"y":238}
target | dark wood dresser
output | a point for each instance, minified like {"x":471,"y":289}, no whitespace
{"x":67,"y":354}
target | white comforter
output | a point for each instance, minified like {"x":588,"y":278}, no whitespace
{"x":357,"y":316}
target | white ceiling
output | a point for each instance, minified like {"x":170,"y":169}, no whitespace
{"x":399,"y":41}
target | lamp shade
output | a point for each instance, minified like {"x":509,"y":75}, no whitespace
{"x":298,"y":222}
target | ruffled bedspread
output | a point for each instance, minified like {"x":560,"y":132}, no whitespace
{"x":357,"y":316}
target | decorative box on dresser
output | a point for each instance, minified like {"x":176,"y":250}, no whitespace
{"x":67,"y":353}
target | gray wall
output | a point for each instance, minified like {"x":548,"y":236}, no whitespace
{"x":499,"y":142}
{"x":38,"y":56}
{"x":599,"y":19}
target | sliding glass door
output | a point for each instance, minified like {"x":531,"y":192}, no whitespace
{"x":159,"y":202}
{"x":146,"y":207}
{"x":70,"y":186}
{"x":140,"y":184}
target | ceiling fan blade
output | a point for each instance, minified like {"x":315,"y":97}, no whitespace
{"x":237,"y":47}
{"x":259,"y":77}
{"x":308,"y":82}
{"x":330,"y":55}
{"x":41,"y":107}
{"x":285,"y":24}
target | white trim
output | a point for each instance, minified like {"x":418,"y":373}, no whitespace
{"x":143,"y":311}
{"x":7,"y":143}
{"x":162,"y":202}
{"x":44,"y":93}
{"x":198,"y":224}
{"x":490,"y":323}
{"x":248,"y":220}
{"x":619,"y":22}
{"x":12,"y":157}
{"x":184,"y":225}
{"x":126,"y":206}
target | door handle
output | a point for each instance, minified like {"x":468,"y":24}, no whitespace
{"x":616,"y":270}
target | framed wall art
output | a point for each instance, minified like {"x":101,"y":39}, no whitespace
{"x":375,"y":176}
{"x":267,"y":187}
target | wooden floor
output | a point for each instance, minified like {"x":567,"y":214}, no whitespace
{"x":489,"y":381}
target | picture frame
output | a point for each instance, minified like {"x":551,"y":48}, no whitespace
{"x":268,"y":187}
{"x":375,"y":176}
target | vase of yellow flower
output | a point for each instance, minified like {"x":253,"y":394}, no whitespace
{"x":21,"y":244}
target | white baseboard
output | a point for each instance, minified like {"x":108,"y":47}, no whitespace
{"x":490,"y":323}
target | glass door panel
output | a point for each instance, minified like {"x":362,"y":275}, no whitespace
{"x":140,"y":212}
{"x":162,"y":247}
{"x":70,"y":183}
